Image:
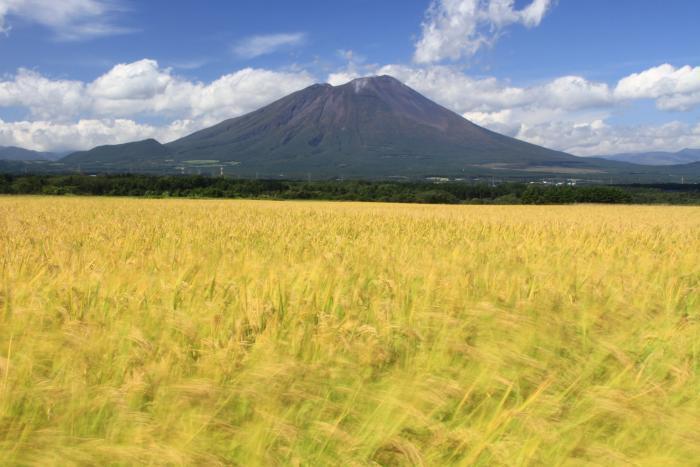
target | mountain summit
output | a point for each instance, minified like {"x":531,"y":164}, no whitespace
{"x":369,"y":127}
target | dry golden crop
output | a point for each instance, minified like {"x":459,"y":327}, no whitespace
{"x":261,"y":333}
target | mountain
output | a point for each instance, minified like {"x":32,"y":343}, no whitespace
{"x":12,"y":153}
{"x":370,"y":127}
{"x":121,"y":155}
{"x":686,"y":156}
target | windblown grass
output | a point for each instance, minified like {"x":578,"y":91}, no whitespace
{"x":260,"y":333}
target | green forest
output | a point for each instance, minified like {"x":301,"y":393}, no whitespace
{"x":347,"y":190}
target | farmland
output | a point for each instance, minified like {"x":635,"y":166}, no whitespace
{"x":171,"y":331}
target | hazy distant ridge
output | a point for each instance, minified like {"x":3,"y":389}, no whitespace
{"x":13,"y":153}
{"x":686,"y":156}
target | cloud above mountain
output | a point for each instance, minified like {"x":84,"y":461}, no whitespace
{"x":456,"y":29}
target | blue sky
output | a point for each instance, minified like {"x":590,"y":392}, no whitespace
{"x":585,"y":76}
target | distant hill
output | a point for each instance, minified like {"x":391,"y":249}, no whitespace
{"x":692,"y":168}
{"x":12,"y":153}
{"x":686,"y":156}
{"x":121,"y":155}
{"x":370,"y":127}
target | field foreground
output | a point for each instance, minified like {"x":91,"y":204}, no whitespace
{"x":260,"y":333}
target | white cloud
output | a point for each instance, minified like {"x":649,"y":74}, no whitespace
{"x":574,"y":93}
{"x":68,"y":19}
{"x":137,"y":80}
{"x":143,"y":88}
{"x":454,"y":29}
{"x":454,"y":89}
{"x":598,"y":138}
{"x":44,"y":97}
{"x":341,"y":77}
{"x":673,"y":88}
{"x":256,"y":46}
{"x":47,"y":136}
{"x":532,"y":15}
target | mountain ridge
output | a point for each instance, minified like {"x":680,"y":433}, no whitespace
{"x":14,"y":153}
{"x":127,"y":153}
{"x":658,"y":158}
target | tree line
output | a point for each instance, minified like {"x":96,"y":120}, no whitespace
{"x":346,"y":190}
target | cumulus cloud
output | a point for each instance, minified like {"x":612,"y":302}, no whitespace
{"x":672,"y":88}
{"x":44,"y":97}
{"x":87,"y":133}
{"x":46,"y":136}
{"x":144,"y":88}
{"x":68,"y":19}
{"x":256,"y":46}
{"x":455,"y":29}
{"x":462,"y":93}
{"x":137,"y":80}
{"x":598,"y":138}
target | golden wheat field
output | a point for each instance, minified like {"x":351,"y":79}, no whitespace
{"x":202,"y":332}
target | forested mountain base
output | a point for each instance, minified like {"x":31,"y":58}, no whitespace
{"x":349,"y":190}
